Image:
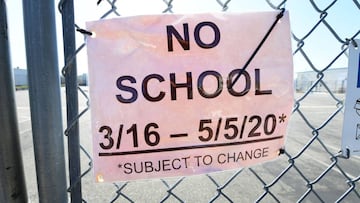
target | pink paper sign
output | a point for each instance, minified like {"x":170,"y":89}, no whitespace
{"x":165,"y":100}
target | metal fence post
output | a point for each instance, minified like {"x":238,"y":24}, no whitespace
{"x":12,"y":179}
{"x":44,"y":90}
{"x":70,"y":71}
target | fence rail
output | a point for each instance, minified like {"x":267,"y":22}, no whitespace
{"x":12,"y":176}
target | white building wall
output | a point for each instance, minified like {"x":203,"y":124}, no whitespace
{"x":20,"y":77}
{"x":334,"y":79}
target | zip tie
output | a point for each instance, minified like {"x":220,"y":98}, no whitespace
{"x":347,"y":153}
{"x":281,"y":151}
{"x":98,"y":2}
{"x":353,"y":42}
{"x":85,"y":32}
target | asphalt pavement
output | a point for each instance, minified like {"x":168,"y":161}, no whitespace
{"x":312,"y":158}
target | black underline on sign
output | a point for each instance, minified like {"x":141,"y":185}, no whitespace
{"x":187,"y":147}
{"x":179,"y":135}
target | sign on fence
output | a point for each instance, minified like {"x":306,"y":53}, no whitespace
{"x":351,"y":126}
{"x":166,"y":99}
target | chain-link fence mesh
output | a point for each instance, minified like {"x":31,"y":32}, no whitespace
{"x":312,"y":169}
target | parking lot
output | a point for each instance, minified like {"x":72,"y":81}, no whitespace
{"x":310,"y":159}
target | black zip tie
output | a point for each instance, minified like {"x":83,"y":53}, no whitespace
{"x":342,"y":155}
{"x":280,"y":15}
{"x":85,"y":32}
{"x":98,"y":2}
{"x":347,"y":156}
{"x":281,"y":151}
{"x":353,"y":42}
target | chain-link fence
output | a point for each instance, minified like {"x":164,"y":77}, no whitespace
{"x":312,"y":168}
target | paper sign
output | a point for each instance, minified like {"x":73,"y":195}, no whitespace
{"x":162,"y":99}
{"x":351,"y":125}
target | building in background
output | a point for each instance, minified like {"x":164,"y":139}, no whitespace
{"x":335,"y":80}
{"x":20,"y":77}
{"x":82,"y":79}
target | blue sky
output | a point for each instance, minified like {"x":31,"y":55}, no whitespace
{"x":321,"y":46}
